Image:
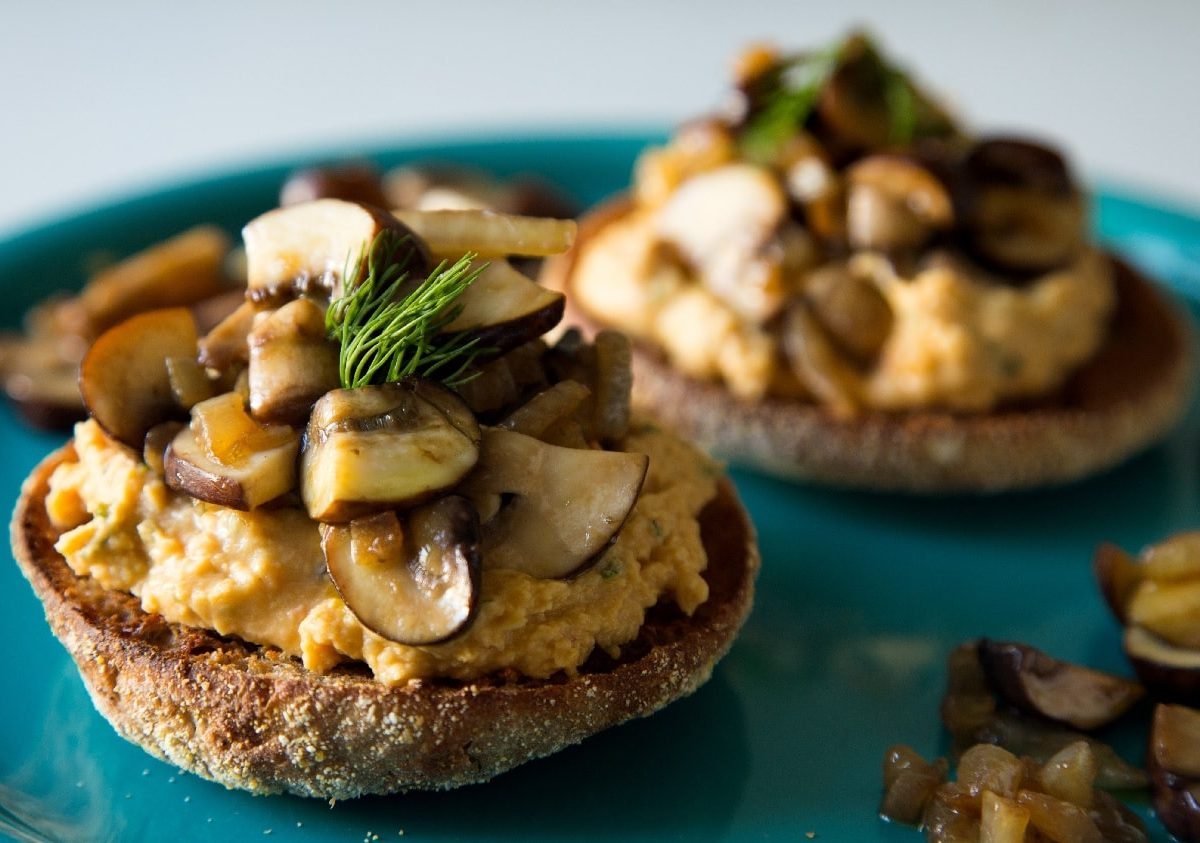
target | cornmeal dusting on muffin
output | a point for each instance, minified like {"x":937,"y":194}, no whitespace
{"x":260,"y":575}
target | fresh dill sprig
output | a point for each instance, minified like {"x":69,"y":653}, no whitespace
{"x":791,"y":94}
{"x":387,"y":331}
{"x":789,"y":104}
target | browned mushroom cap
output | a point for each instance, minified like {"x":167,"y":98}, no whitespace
{"x":1170,"y":672}
{"x":1173,"y":760}
{"x":853,"y":107}
{"x":1021,"y":210}
{"x":413,"y":581}
{"x":123,"y":378}
{"x":851,"y":308}
{"x":356,"y":181}
{"x":894,"y":203}
{"x":1057,"y":690}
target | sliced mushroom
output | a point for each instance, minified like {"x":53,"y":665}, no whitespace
{"x":566,"y":506}
{"x":1022,"y":212}
{"x":385,"y":447}
{"x":310,"y":247}
{"x":818,"y":363}
{"x":852,"y":107}
{"x":225,"y":344}
{"x":356,"y":181}
{"x":182,"y":270}
{"x":292,"y":362}
{"x":894,"y":204}
{"x":451,"y":234}
{"x":1171,"y":672}
{"x":504,"y":309}
{"x":1174,"y":764}
{"x":260,"y":477}
{"x":1066,"y":693}
{"x":413,"y":581}
{"x":972,"y":714}
{"x":851,"y":308}
{"x":123,"y":378}
{"x":722,"y":222}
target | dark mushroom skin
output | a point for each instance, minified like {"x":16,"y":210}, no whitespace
{"x":123,"y":378}
{"x":1173,"y":761}
{"x":1021,"y":211}
{"x":260,"y":478}
{"x":1172,"y":673}
{"x":972,"y":713}
{"x":376,"y":448}
{"x":308,"y":248}
{"x":353,"y":181}
{"x":504,"y":309}
{"x":1066,"y":693}
{"x":292,"y":362}
{"x":413,"y":579}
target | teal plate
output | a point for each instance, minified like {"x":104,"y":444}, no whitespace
{"x":860,"y":599}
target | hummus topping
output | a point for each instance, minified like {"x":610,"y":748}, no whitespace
{"x":260,"y":574}
{"x":835,"y":237}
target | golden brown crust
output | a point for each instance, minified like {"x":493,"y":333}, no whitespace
{"x":1127,"y":397}
{"x":255,"y":719}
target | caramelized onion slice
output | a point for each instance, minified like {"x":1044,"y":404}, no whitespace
{"x":413,"y":581}
{"x":451,"y":234}
{"x":259,"y":478}
{"x":547,"y":408}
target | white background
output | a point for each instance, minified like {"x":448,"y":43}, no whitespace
{"x":104,"y":97}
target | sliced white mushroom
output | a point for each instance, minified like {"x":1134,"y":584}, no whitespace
{"x":385,"y":447}
{"x":258,"y":478}
{"x":504,"y":308}
{"x":412,"y":579}
{"x":292,"y":362}
{"x":314,"y":244}
{"x":123,"y":378}
{"x":565,"y":505}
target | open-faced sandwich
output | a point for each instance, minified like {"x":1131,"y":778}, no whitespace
{"x":370,"y":532}
{"x":834,"y":280}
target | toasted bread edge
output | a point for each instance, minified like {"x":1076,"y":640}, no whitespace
{"x":254,"y":719}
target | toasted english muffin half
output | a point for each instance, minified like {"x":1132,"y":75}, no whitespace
{"x":1128,"y":396}
{"x":252,"y":718}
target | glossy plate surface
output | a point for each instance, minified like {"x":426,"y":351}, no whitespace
{"x":860,"y":599}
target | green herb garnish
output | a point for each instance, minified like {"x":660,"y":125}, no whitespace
{"x":388,"y":328}
{"x":789,"y":95}
{"x":901,"y":102}
{"x":789,"y":104}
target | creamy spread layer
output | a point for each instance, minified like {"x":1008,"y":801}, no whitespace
{"x":260,"y":575}
{"x":958,"y":339}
